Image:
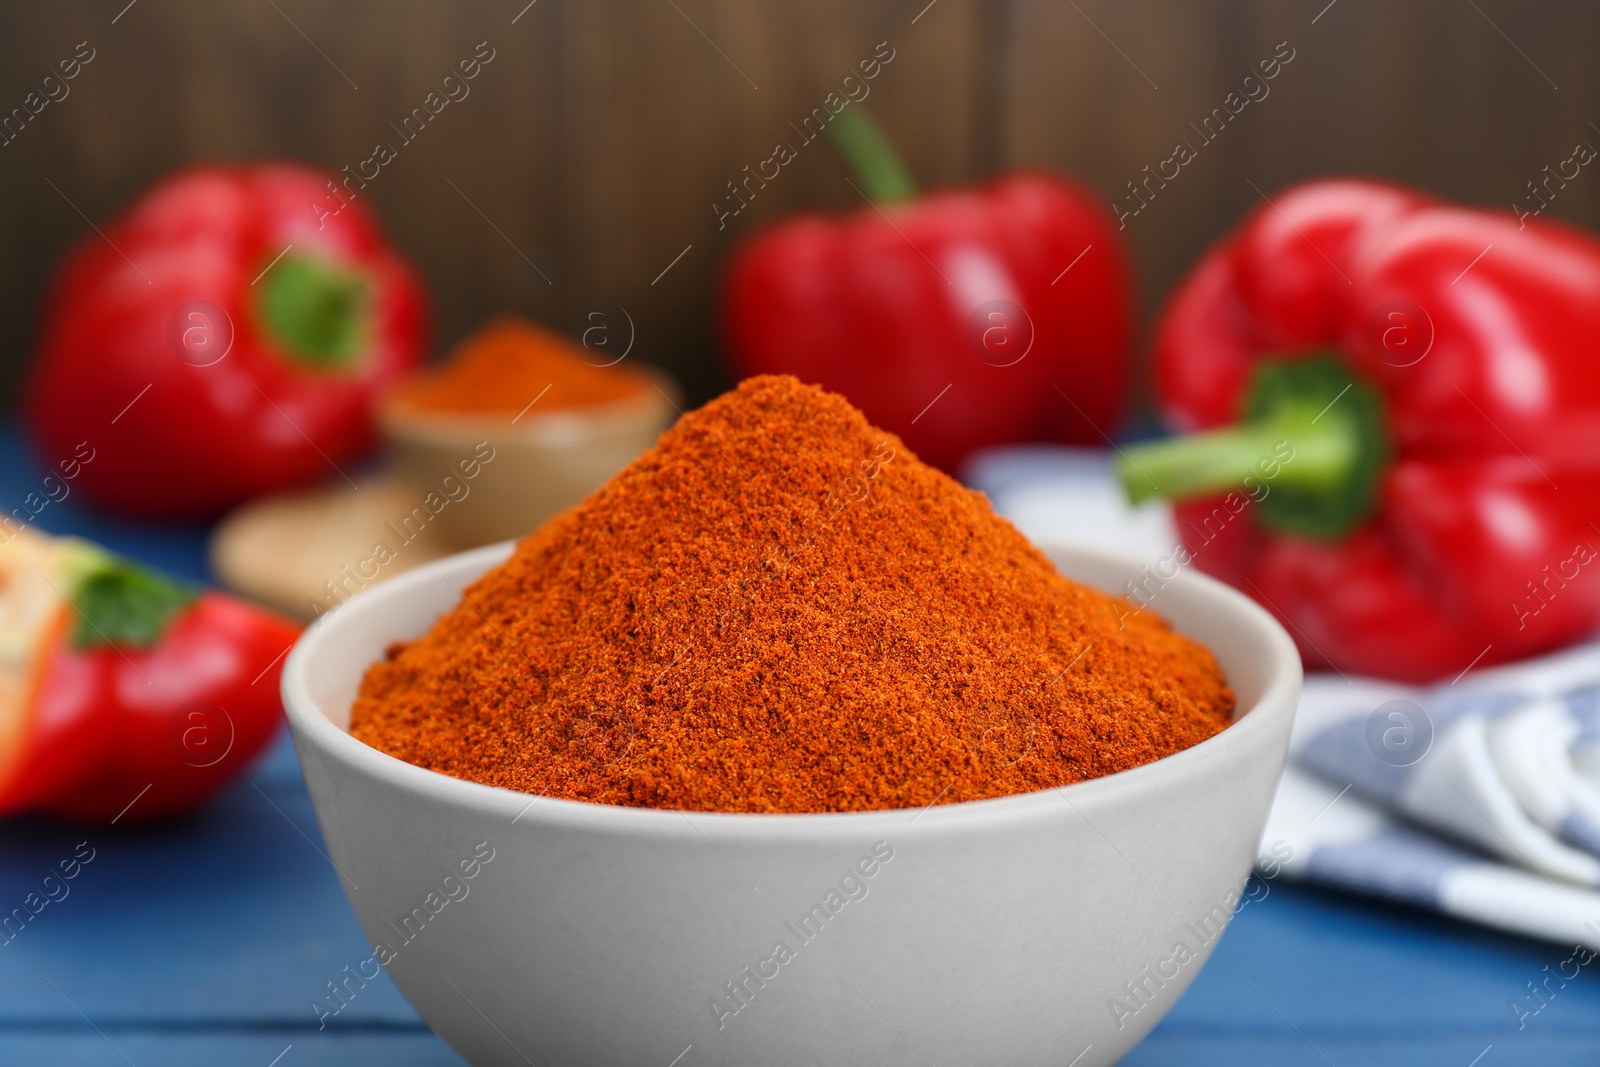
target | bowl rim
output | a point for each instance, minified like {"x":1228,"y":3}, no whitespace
{"x":311,"y":727}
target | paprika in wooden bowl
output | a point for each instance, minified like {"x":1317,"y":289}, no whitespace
{"x":536,"y":420}
{"x":1027,"y":928}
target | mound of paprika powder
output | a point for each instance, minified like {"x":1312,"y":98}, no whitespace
{"x":509,"y":363}
{"x":780,"y":609}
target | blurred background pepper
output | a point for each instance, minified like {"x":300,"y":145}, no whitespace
{"x":965,"y":318}
{"x":1432,"y":370}
{"x":228,"y":334}
{"x":125,"y":693}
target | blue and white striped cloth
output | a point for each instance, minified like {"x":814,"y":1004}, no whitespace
{"x":1478,"y":798}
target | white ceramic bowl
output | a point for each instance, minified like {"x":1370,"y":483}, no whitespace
{"x":1025,"y":930}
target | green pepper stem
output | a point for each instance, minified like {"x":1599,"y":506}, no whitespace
{"x":118,"y":602}
{"x":862,"y":142}
{"x":1311,"y":451}
{"x":1295,"y":452}
{"x":316,"y":311}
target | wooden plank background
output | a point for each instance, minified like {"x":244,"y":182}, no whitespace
{"x":599,"y":137}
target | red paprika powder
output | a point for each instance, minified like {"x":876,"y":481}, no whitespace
{"x":780,"y":609}
{"x":508,"y":362}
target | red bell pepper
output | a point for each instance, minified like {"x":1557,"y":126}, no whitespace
{"x":124,"y":695}
{"x":1400,"y":406}
{"x":966,"y":318}
{"x":224,"y":337}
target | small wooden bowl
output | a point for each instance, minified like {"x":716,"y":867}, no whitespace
{"x":487,"y":477}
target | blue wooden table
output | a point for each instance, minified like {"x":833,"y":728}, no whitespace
{"x":204,"y":942}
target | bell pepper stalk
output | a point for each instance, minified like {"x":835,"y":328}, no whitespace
{"x":877,"y":165}
{"x":1428,"y":371}
{"x":1334,"y":427}
{"x":958,"y":319}
{"x":125,"y":695}
{"x":222,"y":339}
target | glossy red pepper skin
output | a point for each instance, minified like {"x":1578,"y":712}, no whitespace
{"x":1481,"y":334}
{"x":881,"y":308}
{"x":176,"y":439}
{"x":131,"y":734}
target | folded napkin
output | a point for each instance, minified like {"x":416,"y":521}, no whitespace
{"x":1478,"y":797}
